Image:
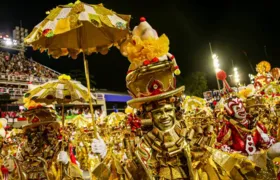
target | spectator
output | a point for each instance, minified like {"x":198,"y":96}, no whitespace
{"x":17,"y":67}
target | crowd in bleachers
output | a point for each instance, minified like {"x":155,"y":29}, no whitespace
{"x":16,"y":67}
{"x":85,"y":111}
{"x":10,"y":114}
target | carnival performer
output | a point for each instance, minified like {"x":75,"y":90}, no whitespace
{"x":243,"y":134}
{"x":256,"y":107}
{"x":70,"y":165}
{"x":37,"y":155}
{"x":201,"y":133}
{"x":264,"y":75}
{"x":200,"y":121}
{"x":163,"y":153}
{"x":271,"y":96}
{"x":120,"y":138}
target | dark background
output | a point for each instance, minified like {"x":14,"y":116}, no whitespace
{"x":233,"y":28}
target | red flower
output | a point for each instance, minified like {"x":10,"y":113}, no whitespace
{"x":39,"y":106}
{"x":4,"y":170}
{"x":146,"y":62}
{"x":155,"y":60}
{"x":134,"y":122}
{"x":35,"y":120}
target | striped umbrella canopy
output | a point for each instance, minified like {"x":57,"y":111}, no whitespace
{"x":61,"y":91}
{"x":79,"y":27}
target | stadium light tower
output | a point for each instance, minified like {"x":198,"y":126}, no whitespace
{"x":216,"y":64}
{"x":236,"y":76}
{"x":19,"y":33}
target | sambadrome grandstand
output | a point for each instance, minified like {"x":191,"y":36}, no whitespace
{"x":18,"y":73}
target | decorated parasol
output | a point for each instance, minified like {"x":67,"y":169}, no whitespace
{"x":60,"y":91}
{"x":79,"y":28}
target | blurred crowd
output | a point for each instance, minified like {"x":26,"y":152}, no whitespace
{"x":18,"y":66}
{"x":72,"y":111}
{"x":10,"y":114}
{"x":85,"y":111}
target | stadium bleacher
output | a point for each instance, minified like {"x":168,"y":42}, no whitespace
{"x":16,"y":73}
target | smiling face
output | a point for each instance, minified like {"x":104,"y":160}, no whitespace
{"x":164,"y":116}
{"x":235,"y":107}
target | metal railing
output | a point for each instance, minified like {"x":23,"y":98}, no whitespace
{"x":13,"y":92}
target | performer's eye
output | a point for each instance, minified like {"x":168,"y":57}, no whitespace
{"x":169,"y":110}
{"x":159,"y":113}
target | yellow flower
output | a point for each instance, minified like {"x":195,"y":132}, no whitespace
{"x":244,"y":93}
{"x":138,"y":50}
{"x":29,"y":103}
{"x":64,"y":77}
{"x":128,"y":110}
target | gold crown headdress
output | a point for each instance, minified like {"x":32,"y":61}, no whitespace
{"x":151,"y":73}
{"x":40,"y":115}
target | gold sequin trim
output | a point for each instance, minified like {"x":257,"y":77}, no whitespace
{"x":53,"y":14}
{"x":78,"y":8}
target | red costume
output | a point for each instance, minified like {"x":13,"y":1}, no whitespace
{"x":235,"y":137}
{"x":240,"y":133}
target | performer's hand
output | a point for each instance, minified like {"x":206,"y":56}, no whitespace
{"x":265,"y":137}
{"x":9,"y":164}
{"x":274,"y":151}
{"x":98,"y":146}
{"x":78,"y":164}
{"x":63,"y":157}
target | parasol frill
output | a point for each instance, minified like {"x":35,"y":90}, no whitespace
{"x":62,"y":91}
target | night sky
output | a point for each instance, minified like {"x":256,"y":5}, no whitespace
{"x":234,"y":29}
